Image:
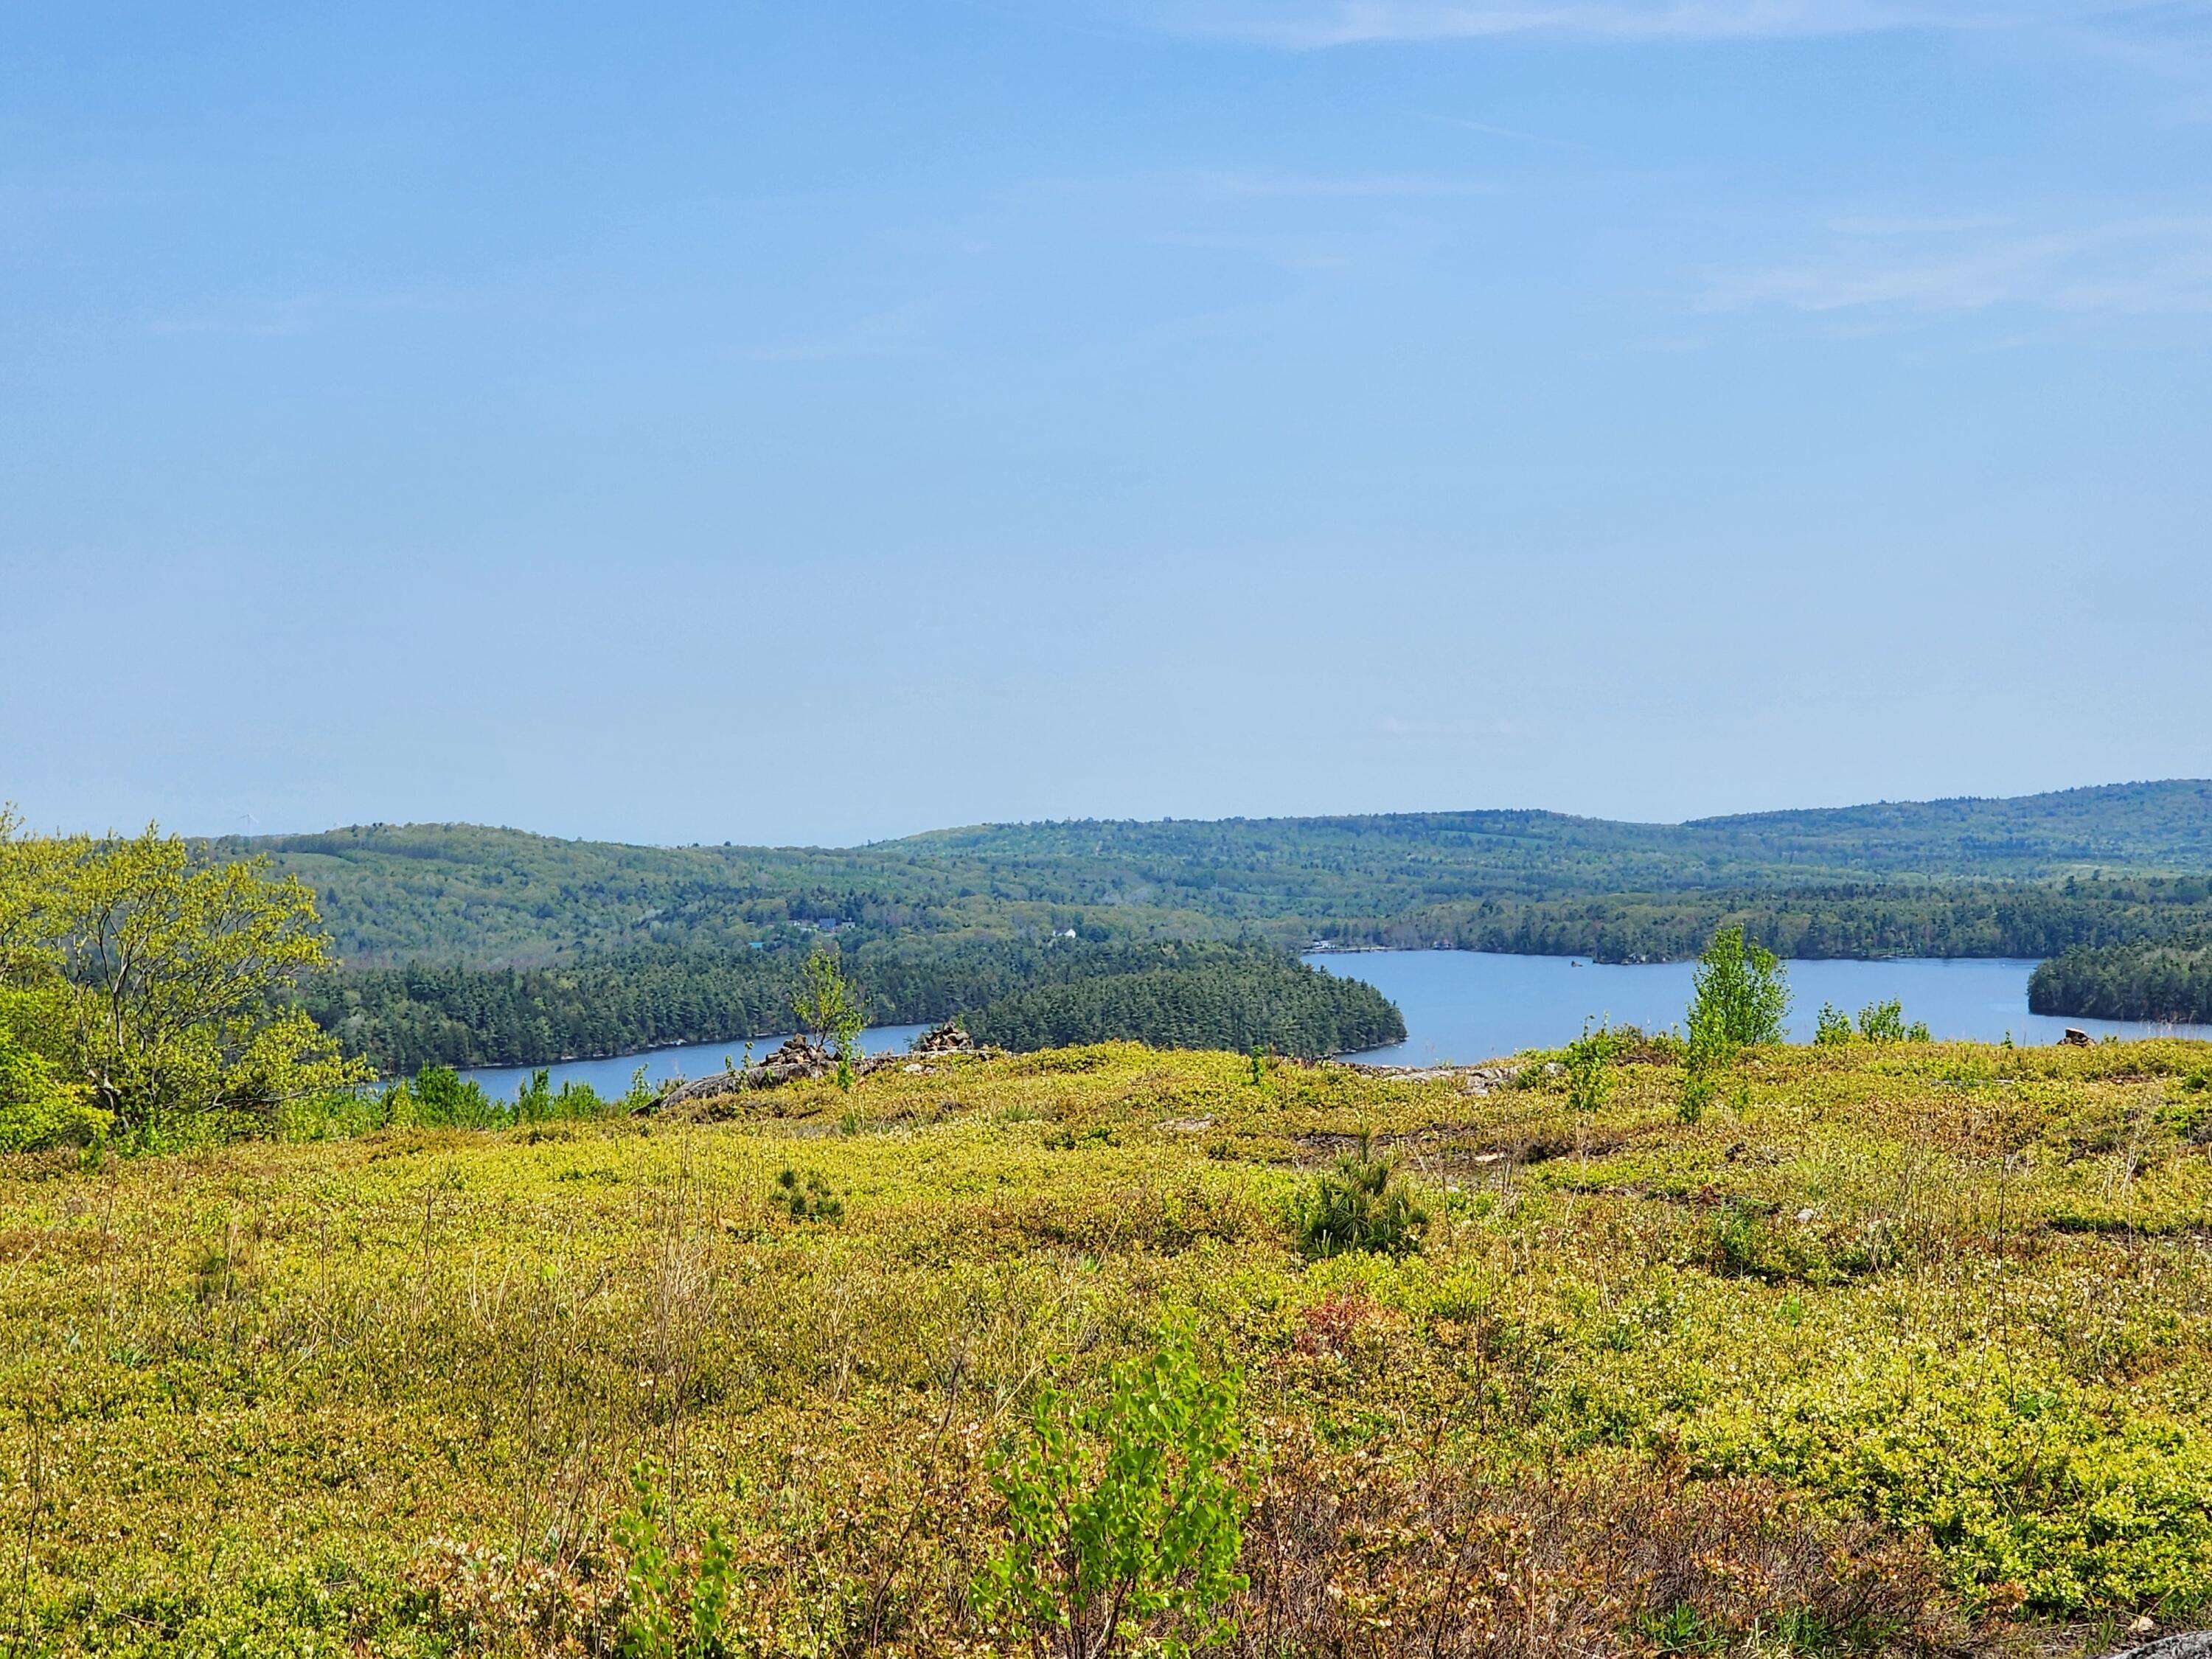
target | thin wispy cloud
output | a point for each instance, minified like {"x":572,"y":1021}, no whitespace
{"x":1491,"y":130}
{"x":2141,"y":266}
{"x":1314,"y":25}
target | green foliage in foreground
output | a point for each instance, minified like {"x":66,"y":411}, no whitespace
{"x":141,"y":992}
{"x":1904,"y":1348}
{"x":675,"y":1602}
{"x":1363,"y":1204}
{"x":1122,"y":1518}
{"x":2165,"y":983}
{"x":39,"y":1108}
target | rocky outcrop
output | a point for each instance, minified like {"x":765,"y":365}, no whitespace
{"x":2192,"y":1644}
{"x":801,"y":1057}
{"x":797,"y":1058}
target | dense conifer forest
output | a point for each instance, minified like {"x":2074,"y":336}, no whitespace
{"x":2127,"y":982}
{"x":1017,"y":994}
{"x":1237,"y":1001}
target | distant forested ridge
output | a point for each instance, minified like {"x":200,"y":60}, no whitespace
{"x":2127,"y":982}
{"x":1240,"y":1001}
{"x":422,"y":1014}
{"x":1963,"y":877}
{"x":1859,"y":919}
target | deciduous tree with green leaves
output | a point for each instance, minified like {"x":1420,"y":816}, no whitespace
{"x":826,"y":1005}
{"x":1123,"y":1518}
{"x":1739,"y":1000}
{"x":159,"y":982}
{"x":1740,"y":997}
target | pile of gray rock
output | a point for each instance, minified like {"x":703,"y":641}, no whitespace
{"x":801,"y":1058}
{"x":949,"y":1038}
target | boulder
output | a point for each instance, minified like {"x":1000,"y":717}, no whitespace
{"x":2075,"y":1038}
{"x":2192,"y":1644}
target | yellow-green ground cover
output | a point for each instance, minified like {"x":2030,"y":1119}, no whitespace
{"x":1902,"y":1347}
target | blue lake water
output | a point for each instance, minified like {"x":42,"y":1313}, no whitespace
{"x":1464,"y":1006}
{"x":611,"y":1076}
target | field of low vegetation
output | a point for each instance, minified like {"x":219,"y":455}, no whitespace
{"x":1655,"y":1344}
{"x":1896,"y":1347}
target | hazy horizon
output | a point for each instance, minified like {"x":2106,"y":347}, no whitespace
{"x":1228,"y":817}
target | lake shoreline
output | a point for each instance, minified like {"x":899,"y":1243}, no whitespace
{"x":1472,"y":1007}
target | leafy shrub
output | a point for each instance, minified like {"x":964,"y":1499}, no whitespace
{"x":809,"y":1199}
{"x":1738,"y":1001}
{"x":1740,"y":997}
{"x":473,"y":1599}
{"x":1743,"y":1241}
{"x":1363,"y":1204}
{"x":1123,"y":1519}
{"x":441,"y":1099}
{"x":539,"y":1102}
{"x":2191,"y":1119}
{"x":39,"y":1109}
{"x":1832,"y":1028}
{"x":1588,"y":1060}
{"x":1638,"y":1559}
{"x":1884,"y":1022}
{"x":676,"y":1600}
{"x":1063,"y":1139}
{"x":1339,"y":1325}
{"x":2035,"y":1496}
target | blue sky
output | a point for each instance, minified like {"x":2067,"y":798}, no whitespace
{"x":822,"y":422}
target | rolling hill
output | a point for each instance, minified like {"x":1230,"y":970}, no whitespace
{"x":2032,"y":875}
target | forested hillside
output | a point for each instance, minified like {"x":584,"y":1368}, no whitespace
{"x":1949,"y":878}
{"x":1864,"y":918}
